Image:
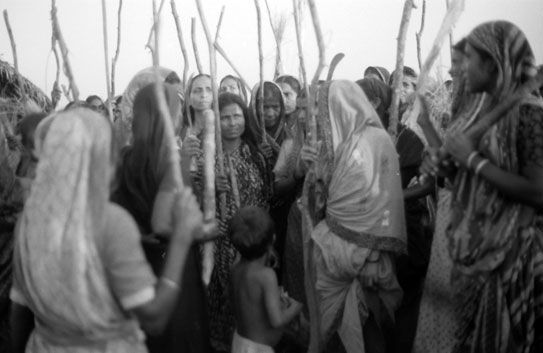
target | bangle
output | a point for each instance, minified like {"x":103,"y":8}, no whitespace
{"x":480,"y":166}
{"x":169,"y":283}
{"x":471,"y":158}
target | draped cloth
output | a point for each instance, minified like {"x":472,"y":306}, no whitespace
{"x":59,"y":271}
{"x":358,"y":208}
{"x":495,"y":243}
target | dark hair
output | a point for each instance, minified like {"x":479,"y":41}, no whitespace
{"x":291,"y":81}
{"x":460,"y":46}
{"x":241,"y":87}
{"x":93,"y":97}
{"x":172,"y":78}
{"x":375,"y":88}
{"x":144,"y":162}
{"x":27,"y":126}
{"x":248,"y":136}
{"x":379,"y":71}
{"x":188,"y":112}
{"x":407,"y":71}
{"x":252,"y":232}
{"x":77,"y":104}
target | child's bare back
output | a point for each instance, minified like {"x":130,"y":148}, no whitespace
{"x":260,"y":309}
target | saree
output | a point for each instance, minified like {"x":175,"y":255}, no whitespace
{"x":250,"y":170}
{"x":360,"y":225}
{"x":495,"y":243}
{"x":58,"y":271}
{"x":276,"y":134}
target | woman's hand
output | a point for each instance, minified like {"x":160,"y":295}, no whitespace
{"x":308,"y":156}
{"x":222,"y":184}
{"x":436,"y":164}
{"x":423,"y":119}
{"x":187,"y":216}
{"x":267,"y":150}
{"x":460,"y":146}
{"x":191,"y":147}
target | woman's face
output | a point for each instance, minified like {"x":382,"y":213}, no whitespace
{"x":290,"y":97}
{"x":230,"y":85}
{"x":201,"y":95}
{"x":232,"y":122}
{"x":479,"y":73}
{"x":409,"y":85}
{"x":98,"y":106}
{"x":457,"y":59}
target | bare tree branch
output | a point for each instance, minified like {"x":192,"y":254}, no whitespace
{"x":117,"y":51}
{"x":419,"y":33}
{"x":195,"y":45}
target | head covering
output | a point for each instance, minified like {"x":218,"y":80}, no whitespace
{"x":60,"y":268}
{"x":359,"y":165}
{"x":276,"y":134}
{"x":381,"y":72}
{"x":144,"y":162}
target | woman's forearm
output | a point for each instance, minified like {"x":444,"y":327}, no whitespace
{"x":516,"y":187}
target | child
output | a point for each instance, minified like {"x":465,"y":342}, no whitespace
{"x":261,"y":310}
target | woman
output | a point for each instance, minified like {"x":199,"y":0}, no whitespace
{"x":359,"y":220}
{"x":437,"y":321}
{"x":274,"y":128}
{"x":144,"y":175}
{"x":495,"y":229}
{"x":291,"y":89}
{"x":79,"y":272}
{"x":377,"y":72}
{"x":233,"y":84}
{"x":245,"y":163}
{"x":413,"y":265}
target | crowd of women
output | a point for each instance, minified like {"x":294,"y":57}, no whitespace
{"x":429,"y":242}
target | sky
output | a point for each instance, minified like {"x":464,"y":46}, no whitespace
{"x":364,"y":30}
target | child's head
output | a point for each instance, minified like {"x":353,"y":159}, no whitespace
{"x":252,"y":232}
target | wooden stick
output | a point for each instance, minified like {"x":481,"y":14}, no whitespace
{"x":276,"y":36}
{"x":451,"y":40}
{"x":106,"y":61}
{"x":56,"y":92}
{"x":14,"y":52}
{"x":152,"y":30}
{"x":333,"y":64}
{"x":195,"y":45}
{"x":221,"y":51}
{"x":66,"y":92}
{"x":181,"y":43}
{"x":419,"y":33}
{"x":312,"y":121}
{"x":57,"y":34}
{"x":297,"y":26}
{"x":215,"y":89}
{"x":219,"y":24}
{"x":260,"y":106}
{"x":398,"y":73}
{"x":209,"y":145}
{"x":12,"y":42}
{"x":117,"y":50}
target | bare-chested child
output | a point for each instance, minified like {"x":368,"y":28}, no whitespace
{"x":261,"y":310}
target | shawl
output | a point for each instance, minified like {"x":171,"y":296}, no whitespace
{"x":364,"y":200}
{"x":56,"y":258}
{"x":277,"y":133}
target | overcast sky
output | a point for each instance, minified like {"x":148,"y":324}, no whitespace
{"x":365,"y":30}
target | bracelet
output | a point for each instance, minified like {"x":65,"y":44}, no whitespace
{"x":471,"y":158}
{"x":480,"y":166}
{"x":169,"y":283}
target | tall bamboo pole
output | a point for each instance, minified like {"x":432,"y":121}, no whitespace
{"x":195,"y":45}
{"x":398,"y":73}
{"x":57,"y":34}
{"x":260,"y":106}
{"x":117,"y":50}
{"x":181,"y":43}
{"x":106,"y":61}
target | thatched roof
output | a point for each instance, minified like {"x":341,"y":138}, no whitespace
{"x":9,"y":87}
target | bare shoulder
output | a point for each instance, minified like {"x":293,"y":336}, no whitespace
{"x":267,"y":277}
